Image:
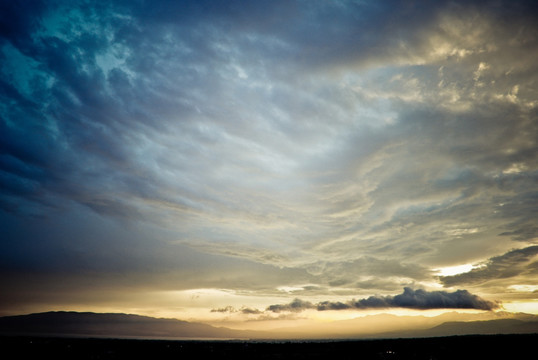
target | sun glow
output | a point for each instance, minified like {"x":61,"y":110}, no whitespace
{"x":455,"y":270}
{"x":529,"y":307}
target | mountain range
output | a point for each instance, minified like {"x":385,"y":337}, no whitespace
{"x":119,"y":325}
{"x":112,"y":325}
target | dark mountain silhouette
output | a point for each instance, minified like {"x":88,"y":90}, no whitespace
{"x":501,"y":326}
{"x":394,"y":326}
{"x":119,"y":325}
{"x":457,"y":328}
{"x":125,"y":325}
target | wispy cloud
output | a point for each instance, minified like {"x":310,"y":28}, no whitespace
{"x":522,"y":263}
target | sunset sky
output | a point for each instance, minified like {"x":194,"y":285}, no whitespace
{"x":275,"y":162}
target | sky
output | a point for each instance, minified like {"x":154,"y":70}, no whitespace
{"x":251,"y":161}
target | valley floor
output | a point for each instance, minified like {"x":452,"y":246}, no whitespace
{"x":454,"y":347}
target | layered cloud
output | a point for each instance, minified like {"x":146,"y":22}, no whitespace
{"x":353,"y":146}
{"x":522,"y":263}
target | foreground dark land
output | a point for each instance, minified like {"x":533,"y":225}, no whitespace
{"x":455,"y":347}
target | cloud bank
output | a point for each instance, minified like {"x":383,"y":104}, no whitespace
{"x":410,"y":299}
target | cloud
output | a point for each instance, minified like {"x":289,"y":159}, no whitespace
{"x":515,"y":263}
{"x":411,"y":299}
{"x":371,"y":270}
{"x":460,"y":299}
{"x":227,"y":309}
{"x":116,"y":112}
{"x":344,"y":144}
{"x":297,"y":305}
{"x":243,"y":310}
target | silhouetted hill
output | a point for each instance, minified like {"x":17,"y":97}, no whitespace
{"x":125,"y":325}
{"x":393,"y":326}
{"x":120,"y":325}
{"x":501,"y":326}
{"x":453,"y":328}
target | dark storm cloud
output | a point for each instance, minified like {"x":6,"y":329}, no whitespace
{"x":18,"y":19}
{"x":411,"y":299}
{"x":460,"y":299}
{"x":520,"y":263}
{"x":76,"y":136}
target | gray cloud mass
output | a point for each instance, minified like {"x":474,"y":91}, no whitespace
{"x":411,"y":299}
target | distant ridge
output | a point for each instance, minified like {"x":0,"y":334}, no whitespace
{"x":112,"y":325}
{"x":500,"y":326}
{"x":88,"y":324}
{"x":457,"y":328}
{"x":447,"y":324}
